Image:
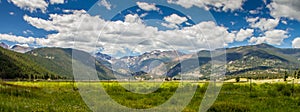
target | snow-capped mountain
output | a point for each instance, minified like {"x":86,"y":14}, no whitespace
{"x":5,"y":46}
{"x":103,"y":59}
{"x":154,"y":63}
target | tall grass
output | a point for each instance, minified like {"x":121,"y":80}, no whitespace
{"x":63,"y":96}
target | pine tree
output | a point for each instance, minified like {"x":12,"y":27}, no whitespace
{"x":285,"y":76}
{"x":237,"y":79}
{"x":298,"y":74}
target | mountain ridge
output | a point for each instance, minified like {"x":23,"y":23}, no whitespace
{"x":243,"y":60}
{"x":17,"y":65}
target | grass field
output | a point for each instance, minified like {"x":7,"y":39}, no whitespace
{"x":64,"y":96}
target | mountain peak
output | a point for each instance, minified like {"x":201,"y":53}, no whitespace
{"x":103,"y":56}
{"x":264,"y":45}
{"x":153,"y":52}
{"x":5,"y":46}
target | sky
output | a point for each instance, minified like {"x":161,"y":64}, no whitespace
{"x":131,"y":27}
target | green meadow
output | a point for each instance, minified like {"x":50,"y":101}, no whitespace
{"x":65,"y":96}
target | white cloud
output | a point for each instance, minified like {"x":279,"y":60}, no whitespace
{"x":265,"y":1}
{"x":252,"y":20}
{"x":117,"y":36}
{"x":31,"y":5}
{"x":218,"y":5}
{"x":244,"y":34}
{"x":284,"y":22}
{"x":17,"y":39}
{"x":296,"y":42}
{"x":168,"y":25}
{"x":57,"y":1}
{"x":26,"y":32}
{"x":175,"y":19}
{"x":130,"y":18}
{"x":146,"y":6}
{"x":105,"y":3}
{"x":274,"y":37}
{"x":11,"y":13}
{"x":39,"y":23}
{"x":144,"y":15}
{"x":253,"y":11}
{"x":285,"y":8}
{"x":263,"y":24}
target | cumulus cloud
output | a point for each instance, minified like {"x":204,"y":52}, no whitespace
{"x":252,"y":20}
{"x":105,"y":3}
{"x":57,"y":1}
{"x":175,"y":19}
{"x":146,"y":6}
{"x":285,"y":8}
{"x":17,"y":39}
{"x":133,"y":18}
{"x":117,"y":37}
{"x":218,"y":5}
{"x":244,"y":34}
{"x":274,"y":37}
{"x":263,"y":24}
{"x":296,"y":42}
{"x":169,"y":25}
{"x":31,"y":5}
{"x":39,"y":23}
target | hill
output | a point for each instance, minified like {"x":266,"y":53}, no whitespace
{"x":262,"y":59}
{"x":20,"y":66}
{"x":59,"y":61}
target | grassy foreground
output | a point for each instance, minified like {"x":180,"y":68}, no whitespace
{"x":63,"y":96}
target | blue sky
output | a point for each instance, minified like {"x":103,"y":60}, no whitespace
{"x":245,"y":22}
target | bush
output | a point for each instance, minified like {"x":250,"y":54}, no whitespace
{"x":228,"y":107}
{"x":272,"y":93}
{"x":229,"y":86}
{"x":287,"y":92}
{"x":253,"y":95}
{"x":279,"y":87}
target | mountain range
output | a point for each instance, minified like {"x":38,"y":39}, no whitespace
{"x":17,"y":47}
{"x":261,"y":59}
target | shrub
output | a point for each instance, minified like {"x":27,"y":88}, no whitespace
{"x":272,"y":93}
{"x":279,"y":87}
{"x":253,"y":95}
{"x":228,"y":107}
{"x":229,"y":86}
{"x":287,"y":92}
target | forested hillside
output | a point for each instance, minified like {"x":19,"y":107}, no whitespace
{"x":59,"y":61}
{"x":20,"y":66}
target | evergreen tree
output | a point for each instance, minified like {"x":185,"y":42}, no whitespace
{"x":285,"y":76}
{"x":298,"y":74}
{"x":237,"y":79}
